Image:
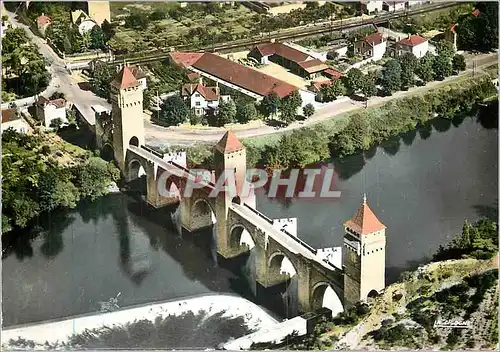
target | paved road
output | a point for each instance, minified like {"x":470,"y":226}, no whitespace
{"x":164,"y":136}
{"x":61,"y":78}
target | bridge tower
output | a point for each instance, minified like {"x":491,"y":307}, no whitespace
{"x":127,"y":114}
{"x":229,"y":155}
{"x":363,"y":256}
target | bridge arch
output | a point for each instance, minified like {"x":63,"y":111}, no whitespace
{"x":107,"y":152}
{"x":372,"y":294}
{"x":240,"y":236}
{"x":202,"y":213}
{"x":279,"y":264}
{"x":325,"y":295}
{"x":134,"y":141}
{"x":135,"y":169}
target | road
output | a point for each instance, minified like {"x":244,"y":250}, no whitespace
{"x":61,"y":79}
{"x":165,"y":136}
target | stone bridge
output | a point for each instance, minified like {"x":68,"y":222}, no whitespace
{"x":271,"y":245}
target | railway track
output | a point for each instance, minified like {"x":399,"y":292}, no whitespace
{"x":299,"y":34}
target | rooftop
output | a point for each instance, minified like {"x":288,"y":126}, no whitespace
{"x":209,"y":93}
{"x":229,"y":143}
{"x":283,"y":51}
{"x":59,"y":103}
{"x":9,"y":115}
{"x":242,"y":76}
{"x":43,"y":19}
{"x":365,"y":221}
{"x":374,"y":39}
{"x":413,"y":40}
{"x":125,"y":79}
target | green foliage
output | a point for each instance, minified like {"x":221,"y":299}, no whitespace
{"x":245,"y":112}
{"x":425,"y":68}
{"x":137,"y":20}
{"x":391,"y":76}
{"x":396,"y":335}
{"x":308,"y":110}
{"x":332,"y":91}
{"x":409,"y":65}
{"x":458,"y":63}
{"x":102,"y":75}
{"x":226,"y":113}
{"x":478,"y":240}
{"x":97,"y":39}
{"x":442,"y":67}
{"x":369,"y":86}
{"x":174,"y":111}
{"x":354,"y":80}
{"x":56,"y":123}
{"x":288,"y":107}
{"x":481,"y":32}
{"x":34,"y":183}
{"x":270,"y":104}
{"x":22,"y":59}
{"x":445,"y":49}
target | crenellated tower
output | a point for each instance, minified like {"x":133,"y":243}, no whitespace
{"x":363,"y":256}
{"x":127,"y":114}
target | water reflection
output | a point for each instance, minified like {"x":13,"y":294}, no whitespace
{"x":425,"y":130}
{"x":488,"y":115}
{"x":391,"y":146}
{"x":441,"y":125}
{"x":409,"y":137}
{"x":349,"y":166}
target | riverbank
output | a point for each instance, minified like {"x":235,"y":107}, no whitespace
{"x":94,"y":331}
{"x":359,"y":130}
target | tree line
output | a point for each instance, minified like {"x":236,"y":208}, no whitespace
{"x":33,"y":182}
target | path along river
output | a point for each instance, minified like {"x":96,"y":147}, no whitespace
{"x":422,"y":186}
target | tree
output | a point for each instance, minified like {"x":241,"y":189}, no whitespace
{"x":56,"y":123}
{"x":157,"y":15}
{"x":97,"y":40}
{"x":425,"y":68}
{"x":137,"y":20}
{"x":445,"y":49}
{"x":226,"y":112}
{"x":174,"y":111}
{"x":14,"y":38}
{"x":488,"y":25}
{"x":458,"y":63}
{"x":270,"y":104}
{"x":354,"y":80}
{"x":245,"y":111}
{"x":102,"y":75}
{"x":391,"y":76}
{"x":409,"y":65}
{"x":337,"y":89}
{"x":108,"y":31}
{"x":289,"y":106}
{"x":308,"y":110}
{"x":369,"y":87}
{"x":442,"y":67}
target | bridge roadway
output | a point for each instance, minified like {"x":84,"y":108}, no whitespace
{"x":285,"y":239}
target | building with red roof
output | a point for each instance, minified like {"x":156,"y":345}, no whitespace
{"x":201,"y":98}
{"x":451,"y":35}
{"x":298,"y":62}
{"x":363,"y":255}
{"x":371,"y":46}
{"x":11,"y":118}
{"x":43,"y":22}
{"x":415,"y":44}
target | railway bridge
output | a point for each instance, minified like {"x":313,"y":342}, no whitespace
{"x":238,"y":226}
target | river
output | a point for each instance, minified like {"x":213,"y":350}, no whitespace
{"x":422,"y":186}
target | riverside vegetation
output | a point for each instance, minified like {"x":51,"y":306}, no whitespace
{"x":41,"y":173}
{"x":359,"y":130}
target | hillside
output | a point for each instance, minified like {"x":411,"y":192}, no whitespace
{"x":404,"y":316}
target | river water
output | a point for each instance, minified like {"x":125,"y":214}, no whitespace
{"x":422,"y":186}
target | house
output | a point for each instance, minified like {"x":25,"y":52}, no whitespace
{"x":11,"y":118}
{"x":332,"y":76}
{"x":49,"y":110}
{"x":42,"y":23}
{"x":298,"y":62}
{"x":139,"y":75}
{"x":415,"y":44}
{"x":84,"y":22}
{"x":372,"y":46}
{"x":451,"y":35}
{"x":339,"y":49}
{"x":203,"y":99}
{"x":394,"y":5}
{"x":372,"y":6}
